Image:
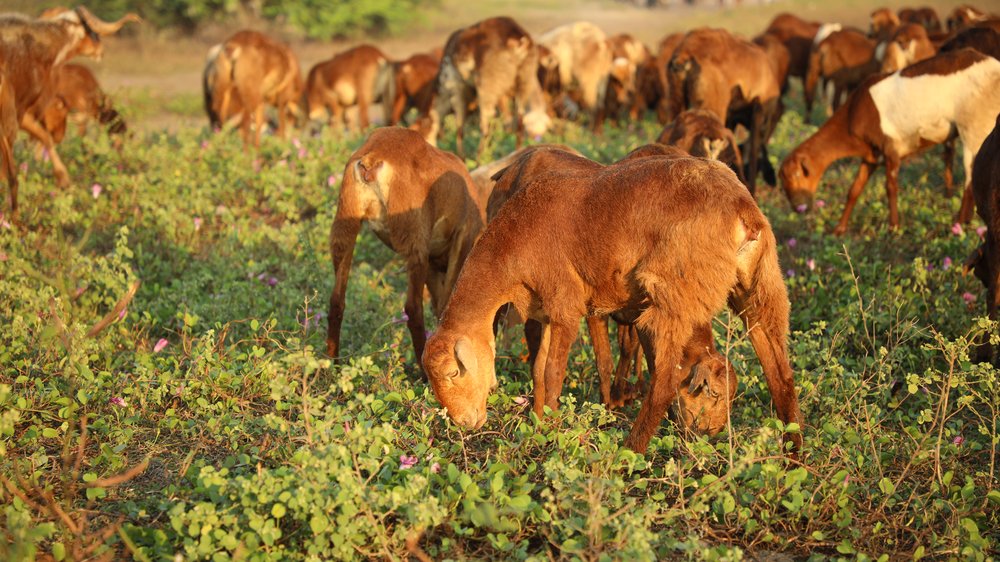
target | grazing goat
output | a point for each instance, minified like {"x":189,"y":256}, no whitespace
{"x":891,"y":117}
{"x":346,"y":79}
{"x":248,"y":71}
{"x":985,"y":261}
{"x":633,"y":80}
{"x":883,"y":23}
{"x":909,"y":44}
{"x":581,"y":59}
{"x":844,"y":59}
{"x":421,"y":203}
{"x":700,"y":133}
{"x":983,"y":39}
{"x":963,"y":16}
{"x":409,"y":85}
{"x":29,"y":52}
{"x":797,"y":36}
{"x":664,"y":52}
{"x":76,"y":91}
{"x":489,"y":62}
{"x":925,"y":16}
{"x":628,"y":239}
{"x":713,"y":69}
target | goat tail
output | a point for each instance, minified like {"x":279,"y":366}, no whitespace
{"x":385,"y":87}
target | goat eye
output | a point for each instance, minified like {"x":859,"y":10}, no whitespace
{"x":453,"y":374}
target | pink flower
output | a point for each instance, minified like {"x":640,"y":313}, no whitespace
{"x":801,"y":208}
{"x":123,"y":313}
{"x":296,"y":142}
{"x":981,"y":231}
{"x":969,"y":297}
{"x":282,"y":162}
{"x":272,"y":281}
{"x":407,"y":462}
{"x":956,"y":229}
{"x":811,"y":264}
{"x":24,"y":167}
{"x":332,"y":180}
{"x":79,"y":291}
{"x":792,"y":242}
{"x":946,"y":262}
{"x":403,"y":318}
{"x":302,"y":153}
{"x":95,"y":190}
{"x":435,"y":468}
{"x":162,"y":343}
{"x":256,"y":165}
{"x":4,"y":223}
{"x":820,"y":203}
{"x":3,"y":256}
{"x":790,"y":273}
{"x":117,"y":401}
{"x":958,"y":440}
{"x":538,"y":138}
{"x":197,"y":223}
{"x":520,"y":400}
{"x":204,"y":144}
{"x":347,"y":426}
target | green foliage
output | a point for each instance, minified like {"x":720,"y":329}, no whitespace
{"x":262,"y":449}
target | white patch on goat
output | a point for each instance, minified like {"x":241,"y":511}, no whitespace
{"x":880,"y":51}
{"x":824,"y":31}
{"x":346,"y":92}
{"x":926,"y":107}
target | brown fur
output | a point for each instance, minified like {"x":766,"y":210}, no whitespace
{"x":700,"y":133}
{"x":421,"y":202}
{"x":778,"y":55}
{"x":963,"y":16}
{"x":29,"y":51}
{"x":345,"y":80}
{"x":413,"y":86}
{"x":617,"y":239}
{"x":986,"y":190}
{"x":582,"y":59}
{"x":713,"y":69}
{"x":844,"y":58}
{"x":255,"y":70}
{"x":983,"y":39}
{"x":76,"y":91}
{"x":855,"y":130}
{"x":924,"y":16}
{"x":633,"y":81}
{"x":883,"y":24}
{"x":489,"y":62}
{"x":664,"y":52}
{"x":797,"y":36}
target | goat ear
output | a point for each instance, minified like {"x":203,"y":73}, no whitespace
{"x":699,"y":377}
{"x":368,"y":173}
{"x":496,"y":177}
{"x":805,"y":167}
{"x":465,"y":354}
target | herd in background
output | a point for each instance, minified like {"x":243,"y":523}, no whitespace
{"x":616,"y":248}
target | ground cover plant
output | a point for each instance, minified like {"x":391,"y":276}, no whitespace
{"x":164,"y":390}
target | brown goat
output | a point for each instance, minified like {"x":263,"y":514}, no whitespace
{"x":778,"y":55}
{"x":581,"y":58}
{"x":421,"y":203}
{"x":217,"y":80}
{"x":890,"y":117}
{"x":715,"y":70}
{"x":633,"y":81}
{"x":489,"y":62}
{"x":925,"y":16}
{"x":700,"y":133}
{"x":963,"y":16}
{"x":251,"y":70}
{"x":845,"y":58}
{"x":76,"y":91}
{"x":909,"y":44}
{"x":883,"y":24}
{"x":411,"y":85}
{"x":346,"y":79}
{"x":985,"y":261}
{"x":29,"y":51}
{"x":616,"y":238}
{"x":983,"y":39}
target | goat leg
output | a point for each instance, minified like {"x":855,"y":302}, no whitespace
{"x":414,"y":307}
{"x":892,"y":189}
{"x":598,"y":327}
{"x":538,"y":367}
{"x":560,"y":339}
{"x":949,"y":166}
{"x":663,"y":356}
{"x":343,"y":236}
{"x":864,"y":171}
{"x":35,"y":129}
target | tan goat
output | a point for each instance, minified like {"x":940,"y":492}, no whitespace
{"x":616,"y":239}
{"x":421,"y":203}
{"x":345,"y":80}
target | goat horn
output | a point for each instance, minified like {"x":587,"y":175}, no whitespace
{"x":102,"y":27}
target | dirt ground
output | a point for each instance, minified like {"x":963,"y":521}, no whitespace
{"x":156,"y":76}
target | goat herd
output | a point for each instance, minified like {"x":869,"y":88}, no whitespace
{"x":659,"y":242}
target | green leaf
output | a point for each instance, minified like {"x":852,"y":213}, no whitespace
{"x":58,"y":551}
{"x":278,"y":510}
{"x":318,"y":523}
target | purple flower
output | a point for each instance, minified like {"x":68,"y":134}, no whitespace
{"x":946,"y":263}
{"x":95,"y":190}
{"x":790,"y":273}
{"x":958,"y":440}
{"x":981,"y":231}
{"x":262,"y":277}
{"x":538,"y":138}
{"x":520,"y":400}
{"x":792,"y":242}
{"x":820,"y":203}
{"x":162,"y":343}
{"x":801,"y":208}
{"x":403,"y":318}
{"x":407,"y":462}
{"x":123,"y":313}
{"x":929,"y":267}
{"x":956,"y":229}
{"x":117,"y":401}
{"x":197,"y":223}
{"x":811,"y":264}
{"x":969,"y":297}
{"x":272,"y":281}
